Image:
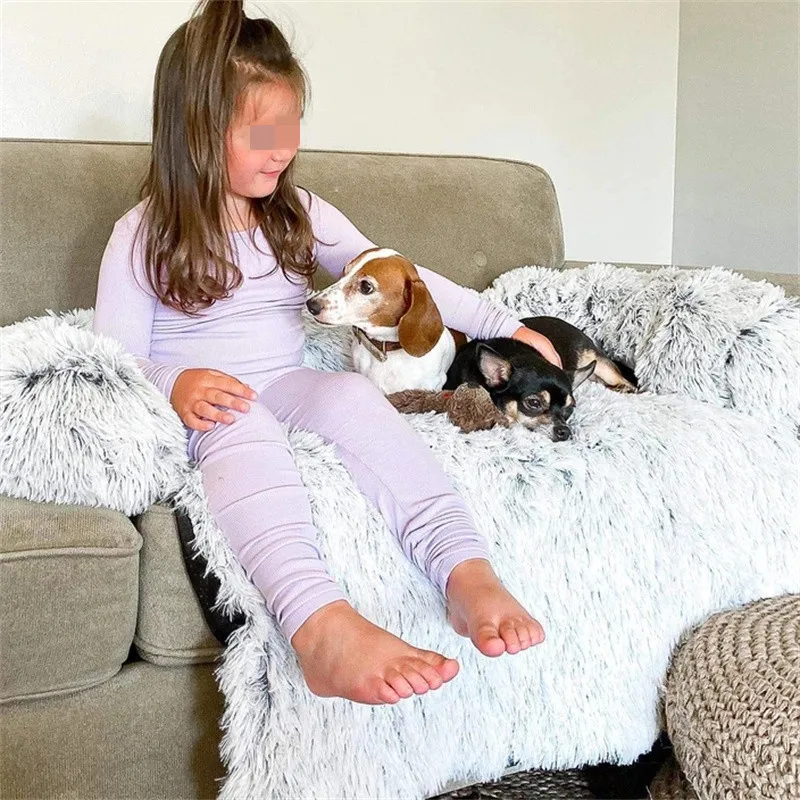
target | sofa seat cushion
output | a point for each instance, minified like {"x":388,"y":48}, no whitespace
{"x":149,"y":733}
{"x":69,"y":579}
{"x":171,"y":628}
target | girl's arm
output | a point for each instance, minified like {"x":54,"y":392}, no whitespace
{"x":461,"y":309}
{"x":124,"y":309}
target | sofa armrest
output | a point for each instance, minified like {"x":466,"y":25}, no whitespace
{"x":790,"y":283}
{"x":70,"y":584}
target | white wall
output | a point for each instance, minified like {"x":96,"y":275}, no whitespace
{"x":737,"y":166}
{"x":585,"y":89}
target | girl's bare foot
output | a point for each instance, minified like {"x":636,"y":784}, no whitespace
{"x":344,"y":655}
{"x":479,"y":606}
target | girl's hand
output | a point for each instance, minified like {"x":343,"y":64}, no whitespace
{"x":540,"y":343}
{"x":196,"y":392}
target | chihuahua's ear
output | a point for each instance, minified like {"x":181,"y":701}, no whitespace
{"x":580,"y":375}
{"x":493,"y":366}
{"x":421,"y":326}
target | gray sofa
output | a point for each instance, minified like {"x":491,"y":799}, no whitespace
{"x":106,"y":676}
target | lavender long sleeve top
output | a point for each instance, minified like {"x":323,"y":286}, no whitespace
{"x":257,"y":333}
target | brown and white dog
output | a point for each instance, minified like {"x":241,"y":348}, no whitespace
{"x":399,"y":341}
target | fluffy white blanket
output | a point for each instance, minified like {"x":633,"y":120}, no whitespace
{"x":663,"y":508}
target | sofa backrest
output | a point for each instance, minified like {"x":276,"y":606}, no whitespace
{"x":465,"y":217}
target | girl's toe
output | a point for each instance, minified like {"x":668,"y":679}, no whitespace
{"x":489,"y":641}
{"x":508,"y":631}
{"x":431,"y":675}
{"x":446,"y":667}
{"x":416,"y":680}
{"x":398,"y":682}
{"x":387,"y":695}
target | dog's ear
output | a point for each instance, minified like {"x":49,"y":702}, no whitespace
{"x":580,"y":375}
{"x":421,"y":326}
{"x":349,"y":266}
{"x":493,"y":366}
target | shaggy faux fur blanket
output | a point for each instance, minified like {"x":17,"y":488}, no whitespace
{"x":664,"y":507}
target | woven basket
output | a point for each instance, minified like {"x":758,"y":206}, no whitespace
{"x":733,"y":704}
{"x":538,"y":784}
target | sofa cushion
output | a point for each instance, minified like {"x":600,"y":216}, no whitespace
{"x":171,"y":628}
{"x":69,"y":578}
{"x":465,"y":217}
{"x":149,"y":733}
{"x":469,"y":218}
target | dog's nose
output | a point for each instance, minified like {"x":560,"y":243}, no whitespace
{"x":561,"y":433}
{"x":314,"y":305}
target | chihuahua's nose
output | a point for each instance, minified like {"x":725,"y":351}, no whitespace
{"x":314,"y":305}
{"x":561,"y":433}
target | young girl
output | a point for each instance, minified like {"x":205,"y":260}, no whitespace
{"x":204,"y":281}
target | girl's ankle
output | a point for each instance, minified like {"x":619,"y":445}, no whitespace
{"x":319,"y":622}
{"x":470,"y":573}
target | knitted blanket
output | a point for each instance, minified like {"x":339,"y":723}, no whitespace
{"x":663,"y":508}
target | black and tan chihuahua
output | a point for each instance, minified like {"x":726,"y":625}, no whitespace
{"x":525,"y":386}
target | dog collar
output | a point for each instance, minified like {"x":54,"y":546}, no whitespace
{"x":377,"y":348}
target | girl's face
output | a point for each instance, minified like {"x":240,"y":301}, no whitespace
{"x":263,"y":140}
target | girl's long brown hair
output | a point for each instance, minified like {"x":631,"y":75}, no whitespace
{"x":201,"y":83}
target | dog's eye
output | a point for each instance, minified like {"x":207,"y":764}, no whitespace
{"x":365,"y":287}
{"x":532,"y":404}
{"x":567,"y":412}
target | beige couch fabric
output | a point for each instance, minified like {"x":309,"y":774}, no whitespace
{"x":96,"y":741}
{"x":171,"y":629}
{"x":69,"y":582}
{"x":148,"y":733}
{"x":468,"y":218}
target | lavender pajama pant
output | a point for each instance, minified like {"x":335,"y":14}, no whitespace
{"x":251,"y":480}
{"x":260,"y":504}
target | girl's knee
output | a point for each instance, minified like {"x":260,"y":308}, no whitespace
{"x":354,"y":390}
{"x":337,"y":396}
{"x":255,"y":425}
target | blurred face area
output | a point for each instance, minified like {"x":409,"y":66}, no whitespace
{"x":260,"y":144}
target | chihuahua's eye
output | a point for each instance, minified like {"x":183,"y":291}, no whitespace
{"x":532,"y":404}
{"x":365,"y":287}
{"x":567,"y":412}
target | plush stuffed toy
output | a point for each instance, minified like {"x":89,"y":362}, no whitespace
{"x":469,"y":407}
